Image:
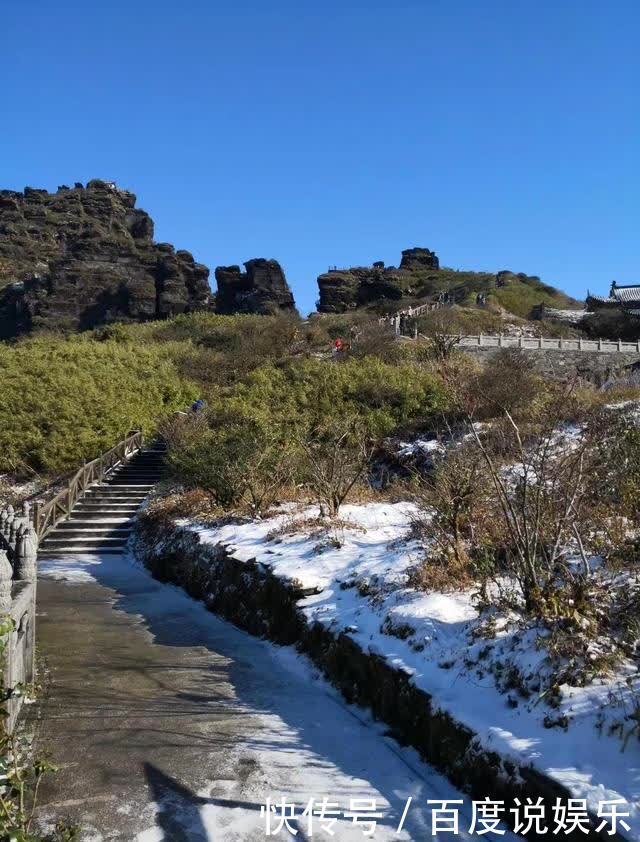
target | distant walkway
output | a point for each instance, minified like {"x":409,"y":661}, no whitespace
{"x":170,"y":724}
{"x":403,"y":324}
{"x":545,"y":343}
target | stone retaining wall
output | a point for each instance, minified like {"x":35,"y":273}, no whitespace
{"x":594,"y":367}
{"x":251,"y":597}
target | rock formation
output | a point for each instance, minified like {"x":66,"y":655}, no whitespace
{"x":418,"y":258}
{"x":262,"y":289}
{"x":85,"y":256}
{"x":420,"y":278}
{"x":361,"y":286}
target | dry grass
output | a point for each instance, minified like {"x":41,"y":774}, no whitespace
{"x":441,"y":574}
{"x":194,"y":503}
{"x":317,"y":528}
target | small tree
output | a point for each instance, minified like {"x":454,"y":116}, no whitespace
{"x":376,"y":339}
{"x":508,"y":382}
{"x":441,"y":332}
{"x":452,"y":498}
{"x":539,"y":501}
{"x":334,"y":457}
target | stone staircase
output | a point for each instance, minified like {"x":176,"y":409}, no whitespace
{"x":102,"y":520}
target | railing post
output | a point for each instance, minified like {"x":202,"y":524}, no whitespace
{"x":27,"y":554}
{"x":619,"y":344}
{"x":520,"y":341}
{"x":6,"y":574}
{"x":480,"y":340}
{"x":638,"y":346}
{"x":500,"y":341}
{"x":580,"y":344}
{"x":599,"y":344}
{"x":13,"y":532}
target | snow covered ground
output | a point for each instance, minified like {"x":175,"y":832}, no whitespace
{"x":360,"y":571}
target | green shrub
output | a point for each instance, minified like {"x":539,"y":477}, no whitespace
{"x":237,"y":458}
{"x":308,"y":420}
{"x":310,"y":390}
{"x":66,"y":400}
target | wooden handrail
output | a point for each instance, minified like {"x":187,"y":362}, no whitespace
{"x":49,"y":514}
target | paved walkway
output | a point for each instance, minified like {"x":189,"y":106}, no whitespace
{"x":170,"y":724}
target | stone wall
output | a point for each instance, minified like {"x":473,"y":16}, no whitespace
{"x":251,"y":597}
{"x":594,"y":367}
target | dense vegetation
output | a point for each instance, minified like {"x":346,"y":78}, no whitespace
{"x":511,"y":502}
{"x":303,"y":422}
{"x":65,"y":399}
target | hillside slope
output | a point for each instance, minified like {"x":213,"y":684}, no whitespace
{"x":420,"y":277}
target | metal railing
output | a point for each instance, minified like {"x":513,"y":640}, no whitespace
{"x":49,"y":514}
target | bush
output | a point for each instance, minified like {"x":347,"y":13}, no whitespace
{"x":508,"y":382}
{"x":65,"y":400}
{"x":306,"y":420}
{"x":334,"y":457}
{"x":460,"y":322}
{"x":220,"y":350}
{"x":310,"y":391}
{"x":454,"y":501}
{"x":238,"y":458}
{"x":612,"y":324}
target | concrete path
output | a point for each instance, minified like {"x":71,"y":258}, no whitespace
{"x":170,"y":724}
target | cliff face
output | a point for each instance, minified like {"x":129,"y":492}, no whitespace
{"x":85,"y":256}
{"x":262,"y":289}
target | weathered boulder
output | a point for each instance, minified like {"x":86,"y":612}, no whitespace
{"x":262,"y":289}
{"x":85,"y":256}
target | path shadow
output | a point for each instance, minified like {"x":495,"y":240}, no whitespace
{"x":179,"y":810}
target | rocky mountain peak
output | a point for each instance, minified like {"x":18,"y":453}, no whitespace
{"x":85,"y":256}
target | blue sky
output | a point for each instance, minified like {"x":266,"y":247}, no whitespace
{"x":500,"y":133}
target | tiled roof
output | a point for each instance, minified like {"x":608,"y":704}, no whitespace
{"x":627,"y":294}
